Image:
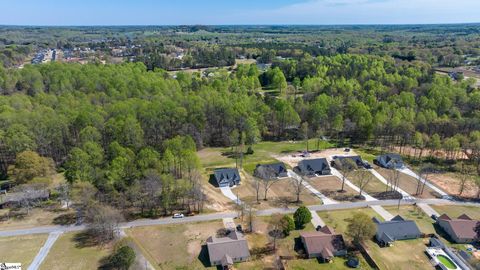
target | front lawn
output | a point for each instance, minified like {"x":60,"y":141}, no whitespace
{"x":339,"y":219}
{"x":456,"y":210}
{"x":21,"y":249}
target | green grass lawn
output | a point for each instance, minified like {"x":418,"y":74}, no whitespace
{"x":338,"y":219}
{"x":263,"y":153}
{"x":66,"y":254}
{"x":456,"y":210}
{"x":21,"y":249}
{"x":338,"y":263}
{"x":405,"y":254}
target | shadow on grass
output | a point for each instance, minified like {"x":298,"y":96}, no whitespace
{"x":212,"y":181}
{"x":203,"y":256}
{"x":85,"y":239}
{"x":65,"y":219}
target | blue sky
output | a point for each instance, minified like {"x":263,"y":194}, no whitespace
{"x":161,"y":12}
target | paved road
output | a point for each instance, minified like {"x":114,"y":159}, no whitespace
{"x":221,"y":215}
{"x":227,"y":192}
{"x":314,"y":191}
{"x":407,"y":171}
{"x":42,"y":254}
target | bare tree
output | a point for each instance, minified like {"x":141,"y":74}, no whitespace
{"x":65,"y":194}
{"x":393,"y":181}
{"x":346,"y":166}
{"x":465,"y":176}
{"x":364,"y":178}
{"x":298,"y":187}
{"x":423,"y":176}
{"x":257,"y":184}
{"x":275,"y":228}
{"x":103,"y":222}
{"x":267,"y":176}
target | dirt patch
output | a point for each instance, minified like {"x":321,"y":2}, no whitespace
{"x":414,"y":152}
{"x":293,"y":159}
{"x":450,"y":183}
{"x":331,"y":186}
{"x":409,"y":184}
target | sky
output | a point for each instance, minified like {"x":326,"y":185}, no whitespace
{"x":215,"y":12}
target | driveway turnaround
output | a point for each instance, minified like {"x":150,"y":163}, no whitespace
{"x":42,"y":254}
{"x":315,"y":192}
{"x":227,"y":192}
{"x":407,"y":171}
{"x":316,"y":220}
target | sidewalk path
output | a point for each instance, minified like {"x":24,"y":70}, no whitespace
{"x":42,"y":254}
{"x":382,"y":212}
{"x":227,"y":192}
{"x":315,"y":192}
{"x":407,"y":171}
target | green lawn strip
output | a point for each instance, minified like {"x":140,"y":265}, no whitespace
{"x":21,"y":249}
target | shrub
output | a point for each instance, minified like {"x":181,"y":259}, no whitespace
{"x":288,"y":224}
{"x":302,"y":216}
{"x":123,"y":258}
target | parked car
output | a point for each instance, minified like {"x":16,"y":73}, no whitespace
{"x":178,"y":215}
{"x":434,"y":217}
{"x":346,"y":149}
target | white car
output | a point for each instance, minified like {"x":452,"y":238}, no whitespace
{"x":178,"y":215}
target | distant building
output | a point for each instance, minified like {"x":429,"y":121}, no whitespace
{"x":225,"y":251}
{"x":356,"y":159}
{"x":324,"y":244}
{"x":312,"y":167}
{"x":460,"y":230}
{"x":395,"y":229}
{"x":389,"y":161}
{"x":227,"y":177}
{"x":276,"y":170}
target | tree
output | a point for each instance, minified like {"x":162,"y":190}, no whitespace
{"x":288,"y":224}
{"x":276,"y":228}
{"x":304,"y":129}
{"x":267,"y":177}
{"x":364,"y":178}
{"x":465,"y":176}
{"x":257,"y":184}
{"x":29,"y":165}
{"x":122,"y":259}
{"x":103,"y":222}
{"x":298,"y":186}
{"x":360,"y":227}
{"x":302,"y":216}
{"x":346,"y":166}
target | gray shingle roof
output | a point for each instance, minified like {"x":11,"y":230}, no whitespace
{"x":223,"y":248}
{"x":397,"y":229}
{"x":226,"y":175}
{"x":312,"y":166}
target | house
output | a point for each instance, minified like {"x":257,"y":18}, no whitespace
{"x":312,"y":167}
{"x":275,"y":170}
{"x":389,"y":161}
{"x":460,"y":230}
{"x":395,"y":229}
{"x":225,"y":251}
{"x":356,"y":159}
{"x":16,"y":198}
{"x":227,"y":177}
{"x":324,"y":244}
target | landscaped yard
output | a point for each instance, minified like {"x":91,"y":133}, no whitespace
{"x":21,"y":249}
{"x":178,"y":246}
{"x":409,"y":184}
{"x":456,"y":210}
{"x":330,"y":187}
{"x":68,"y":253}
{"x":406,"y":254}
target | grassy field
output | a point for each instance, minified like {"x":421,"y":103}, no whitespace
{"x":176,"y":246}
{"x":67,"y":253}
{"x":263,"y":152}
{"x":409,"y":184}
{"x":338,"y":263}
{"x":21,"y":249}
{"x":36,"y":217}
{"x":330,"y":186}
{"x":406,"y":254}
{"x":456,"y":210}
{"x":338,"y":219}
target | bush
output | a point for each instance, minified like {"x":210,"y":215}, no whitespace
{"x":123,"y":258}
{"x":302,"y":216}
{"x":249,"y":151}
{"x":288,"y":224}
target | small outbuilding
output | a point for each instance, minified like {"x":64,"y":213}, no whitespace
{"x":389,"y":161}
{"x":312,"y":167}
{"x":396,"y":229}
{"x":227,"y":177}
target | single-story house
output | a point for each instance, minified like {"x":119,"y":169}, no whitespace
{"x":389,"y":161}
{"x":227,"y":177}
{"x":461,"y":229}
{"x":324,"y":244}
{"x":356,"y":159}
{"x":8,"y":199}
{"x":225,"y":251}
{"x":396,"y":229}
{"x":312,"y":167}
{"x":275,"y":170}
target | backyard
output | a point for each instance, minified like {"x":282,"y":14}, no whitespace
{"x":405,"y":254}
